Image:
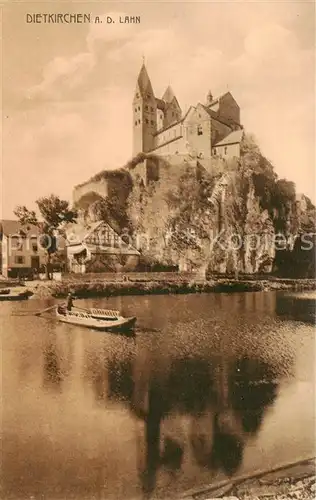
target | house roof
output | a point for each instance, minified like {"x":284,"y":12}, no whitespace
{"x":234,"y":137}
{"x":79,"y":234}
{"x":13,"y":227}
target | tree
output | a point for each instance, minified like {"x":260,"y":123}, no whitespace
{"x":54,"y":215}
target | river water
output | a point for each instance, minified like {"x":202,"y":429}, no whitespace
{"x":211,"y":386}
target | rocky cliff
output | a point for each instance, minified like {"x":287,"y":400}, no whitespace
{"x":232,"y":216}
{"x":237,"y":218}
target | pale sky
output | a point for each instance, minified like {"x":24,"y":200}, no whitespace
{"x":68,"y":89}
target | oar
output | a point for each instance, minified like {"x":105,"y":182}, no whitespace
{"x":45,"y":310}
{"x":34,"y":313}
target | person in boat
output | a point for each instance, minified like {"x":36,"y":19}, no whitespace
{"x":69,"y":302}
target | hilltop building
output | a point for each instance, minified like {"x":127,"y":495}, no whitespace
{"x":207,"y":129}
{"x":160,"y":129}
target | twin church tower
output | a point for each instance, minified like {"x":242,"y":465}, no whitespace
{"x":205,"y":130}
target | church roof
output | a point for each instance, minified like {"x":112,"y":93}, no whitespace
{"x":219,"y":118}
{"x":143,"y":82}
{"x":168,"y":94}
{"x":217,"y":99}
{"x":234,"y":137}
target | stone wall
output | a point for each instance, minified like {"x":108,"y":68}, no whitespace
{"x":100,"y":188}
{"x":106,"y":184}
{"x":198,"y":132}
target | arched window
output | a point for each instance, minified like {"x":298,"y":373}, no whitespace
{"x":225,"y":150}
{"x":199,"y":130}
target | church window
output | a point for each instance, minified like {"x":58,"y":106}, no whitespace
{"x":136,"y":122}
{"x":214,"y":151}
{"x":225,"y":150}
{"x":146,"y":107}
{"x":199,"y":130}
{"x":146,"y":120}
{"x":138,"y":108}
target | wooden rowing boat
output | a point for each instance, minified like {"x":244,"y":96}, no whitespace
{"x":16,"y":295}
{"x":82,"y":318}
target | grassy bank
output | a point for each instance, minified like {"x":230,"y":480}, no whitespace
{"x":85,"y":289}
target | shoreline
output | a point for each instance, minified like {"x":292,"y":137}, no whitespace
{"x":289,"y":480}
{"x":101,"y":288}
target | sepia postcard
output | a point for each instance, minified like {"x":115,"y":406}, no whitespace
{"x":157,"y":250}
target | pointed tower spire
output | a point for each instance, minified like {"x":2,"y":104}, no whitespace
{"x":168,"y":94}
{"x":144,"y":114}
{"x":143,"y":82}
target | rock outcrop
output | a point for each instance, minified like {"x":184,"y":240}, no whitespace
{"x":229,"y":217}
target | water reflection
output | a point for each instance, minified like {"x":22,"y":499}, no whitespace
{"x":176,"y":407}
{"x":58,"y":358}
{"x":223,"y":400}
{"x":52,"y":376}
{"x":299,"y":308}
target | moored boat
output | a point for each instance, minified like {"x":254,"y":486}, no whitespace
{"x":105,"y":323}
{"x":20,"y":295}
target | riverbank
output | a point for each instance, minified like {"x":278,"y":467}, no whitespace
{"x":296,"y":481}
{"x":101,"y":288}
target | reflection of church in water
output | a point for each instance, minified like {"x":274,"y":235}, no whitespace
{"x":220,"y":404}
{"x":190,"y":411}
